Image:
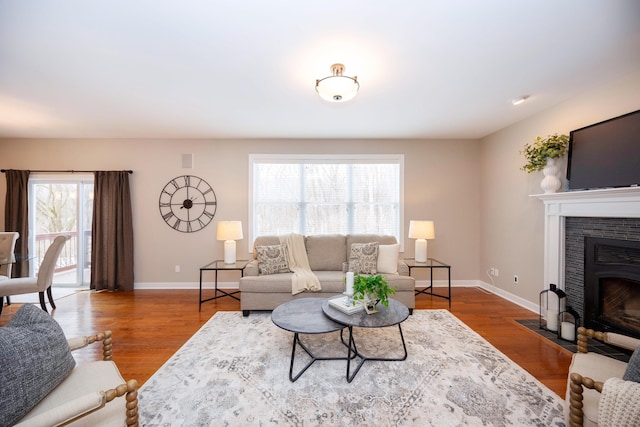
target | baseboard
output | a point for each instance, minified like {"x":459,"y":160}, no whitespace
{"x":509,"y":296}
{"x":234,"y":285}
{"x":185,"y":285}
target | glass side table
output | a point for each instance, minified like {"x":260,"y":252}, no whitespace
{"x":219,"y":265}
{"x":431,"y":263}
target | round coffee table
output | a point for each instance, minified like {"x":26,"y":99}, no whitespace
{"x":304,"y":316}
{"x":395,"y":314}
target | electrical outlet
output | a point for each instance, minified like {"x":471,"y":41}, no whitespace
{"x":496,"y":272}
{"x":492,"y":271}
{"x":515,"y":279}
{"x":177,"y":269}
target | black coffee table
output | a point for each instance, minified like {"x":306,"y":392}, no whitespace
{"x":395,"y":314}
{"x":305,"y":316}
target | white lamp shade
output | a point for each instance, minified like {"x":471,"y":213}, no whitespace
{"x":229,"y":230}
{"x":337,"y":88}
{"x":421,"y":230}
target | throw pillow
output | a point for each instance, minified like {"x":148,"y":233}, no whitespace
{"x":388,"y":259}
{"x":34,"y":358}
{"x":272,"y":259}
{"x":364,"y":258}
{"x":633,"y":367}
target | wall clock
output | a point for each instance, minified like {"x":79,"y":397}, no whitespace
{"x":187,"y":203}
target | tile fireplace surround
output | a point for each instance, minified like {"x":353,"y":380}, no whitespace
{"x":604,"y":203}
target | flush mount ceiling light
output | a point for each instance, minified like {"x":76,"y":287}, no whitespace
{"x":337,"y":88}
{"x":520,"y":100}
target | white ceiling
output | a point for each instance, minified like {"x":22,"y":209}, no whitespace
{"x":247,"y":68}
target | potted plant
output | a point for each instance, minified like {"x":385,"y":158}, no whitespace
{"x":372,"y":290}
{"x":551,"y":147}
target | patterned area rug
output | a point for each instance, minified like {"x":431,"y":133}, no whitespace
{"x":234,"y":372}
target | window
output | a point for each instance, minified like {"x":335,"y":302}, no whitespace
{"x":62,"y":205}
{"x":321,"y":194}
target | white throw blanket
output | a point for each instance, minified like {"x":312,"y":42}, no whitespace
{"x":619,"y":404}
{"x":303,"y":278}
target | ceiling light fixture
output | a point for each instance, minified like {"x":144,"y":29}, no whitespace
{"x":337,"y":87}
{"x":520,"y":100}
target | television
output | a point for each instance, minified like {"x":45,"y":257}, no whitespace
{"x":605,"y":154}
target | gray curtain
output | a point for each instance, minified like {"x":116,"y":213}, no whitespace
{"x":16,"y":215}
{"x":112,"y":232}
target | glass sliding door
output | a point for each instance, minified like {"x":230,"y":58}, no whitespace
{"x":62,"y":205}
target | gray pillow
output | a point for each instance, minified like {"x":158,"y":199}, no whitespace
{"x":272,"y":259}
{"x":34,"y":359}
{"x":364,"y":258}
{"x":633,"y":368}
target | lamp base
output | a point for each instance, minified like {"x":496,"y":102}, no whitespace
{"x":229,"y":251}
{"x":421,"y":250}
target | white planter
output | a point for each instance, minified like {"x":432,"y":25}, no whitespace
{"x":550,"y":183}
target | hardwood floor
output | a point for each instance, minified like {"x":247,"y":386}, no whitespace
{"x":150,"y":325}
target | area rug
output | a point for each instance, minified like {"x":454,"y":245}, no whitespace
{"x":234,"y":372}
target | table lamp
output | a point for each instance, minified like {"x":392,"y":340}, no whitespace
{"x":229,"y":231}
{"x":421,"y":231}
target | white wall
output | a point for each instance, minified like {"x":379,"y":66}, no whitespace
{"x":512,"y":223}
{"x":441,"y":183}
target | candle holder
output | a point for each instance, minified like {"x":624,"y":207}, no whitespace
{"x":348,"y":284}
{"x":551,"y":304}
{"x":568,"y":324}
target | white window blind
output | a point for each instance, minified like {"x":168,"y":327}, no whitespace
{"x":323,"y":194}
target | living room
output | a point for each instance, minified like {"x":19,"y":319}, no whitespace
{"x":470,"y":186}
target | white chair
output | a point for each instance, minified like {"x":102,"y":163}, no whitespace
{"x":587,"y":376}
{"x":89,"y":395}
{"x":7,"y":246}
{"x":39,"y":284}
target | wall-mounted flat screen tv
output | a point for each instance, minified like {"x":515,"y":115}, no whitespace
{"x":605,"y":154}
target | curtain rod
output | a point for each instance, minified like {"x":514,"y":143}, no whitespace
{"x":62,"y":171}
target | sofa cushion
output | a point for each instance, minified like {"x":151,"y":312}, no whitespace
{"x":364,"y":258}
{"x":35,"y":359}
{"x":388,"y":258}
{"x":273,"y":259}
{"x":632,"y":373}
{"x":326,"y":252}
{"x":368,"y":238}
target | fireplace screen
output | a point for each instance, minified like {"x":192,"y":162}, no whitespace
{"x":612,"y":285}
{"x":621,"y":303}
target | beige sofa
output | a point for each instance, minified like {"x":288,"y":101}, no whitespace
{"x":328,"y":257}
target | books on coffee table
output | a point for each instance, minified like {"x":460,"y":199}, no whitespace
{"x":346,"y":305}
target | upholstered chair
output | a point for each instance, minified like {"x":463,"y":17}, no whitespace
{"x":592,"y":372}
{"x":39,"y":284}
{"x":7,"y":246}
{"x":48,"y":387}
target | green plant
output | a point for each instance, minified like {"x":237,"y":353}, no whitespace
{"x":552,"y":146}
{"x":376,"y":286}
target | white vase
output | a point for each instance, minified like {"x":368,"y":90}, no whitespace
{"x":550,"y":183}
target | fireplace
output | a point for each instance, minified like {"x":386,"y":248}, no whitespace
{"x":612,"y":285}
{"x":570,"y":217}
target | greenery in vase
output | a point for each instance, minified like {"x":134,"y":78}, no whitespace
{"x":552,"y":146}
{"x":372,"y":285}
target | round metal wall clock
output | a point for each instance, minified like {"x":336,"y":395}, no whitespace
{"x":187,"y":203}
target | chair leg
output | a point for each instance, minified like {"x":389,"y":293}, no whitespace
{"x":8,"y":301}
{"x":1,"y":304}
{"x":42,"y":303}
{"x":50,"y":296}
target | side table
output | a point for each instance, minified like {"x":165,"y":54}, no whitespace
{"x":219,"y":265}
{"x":431,"y":263}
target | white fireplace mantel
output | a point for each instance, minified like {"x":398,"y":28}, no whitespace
{"x":604,"y":203}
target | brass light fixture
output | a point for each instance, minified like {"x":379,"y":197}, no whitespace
{"x":337,"y":87}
